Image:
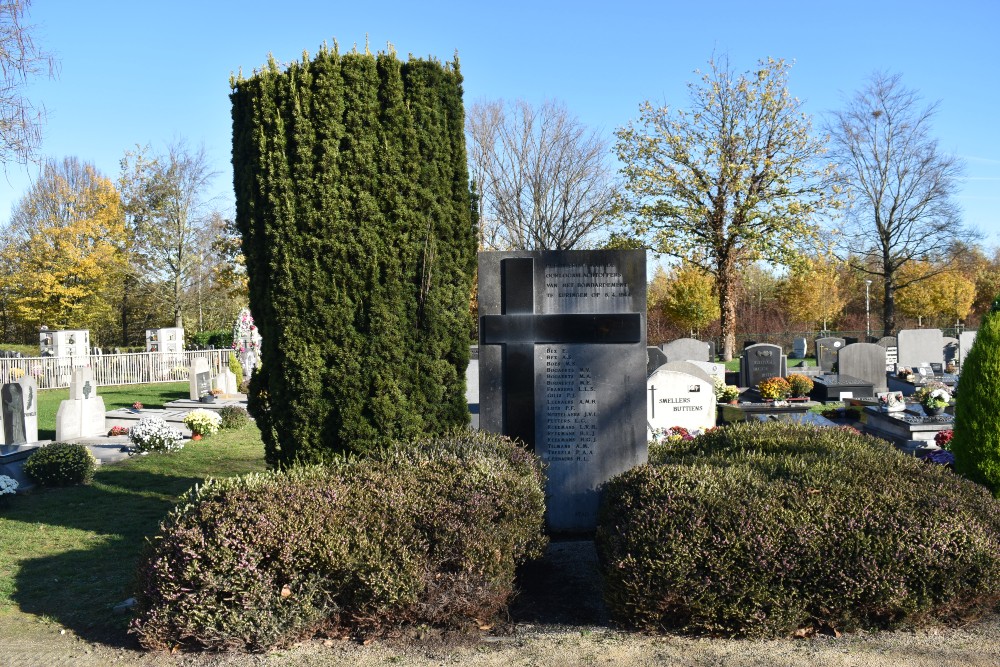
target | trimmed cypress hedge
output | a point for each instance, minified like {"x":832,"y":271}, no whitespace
{"x":758,"y":530}
{"x":976,"y":443}
{"x":353,"y":199}
{"x":426,"y":532}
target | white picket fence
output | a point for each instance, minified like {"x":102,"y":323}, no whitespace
{"x":112,"y":369}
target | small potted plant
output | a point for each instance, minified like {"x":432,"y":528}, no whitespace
{"x":8,"y":487}
{"x":725,"y":393}
{"x":775,"y":389}
{"x":800,"y":385}
{"x":137,"y":407}
{"x":202,"y":422}
{"x":933,"y":397}
{"x":207,"y":397}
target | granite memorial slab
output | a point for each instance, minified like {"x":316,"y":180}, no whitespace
{"x":562,"y":359}
{"x":918,"y":347}
{"x":838,"y":387}
{"x":827,"y":350}
{"x":654,"y":359}
{"x":799,"y":348}
{"x":199,"y":378}
{"x":949,"y":352}
{"x":19,"y":405}
{"x":759,"y":362}
{"x":865,"y":361}
{"x":891,"y":351}
{"x":686,"y":349}
{"x":679,"y":399}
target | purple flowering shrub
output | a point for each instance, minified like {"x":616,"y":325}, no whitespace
{"x":759,"y":529}
{"x":425,"y":533}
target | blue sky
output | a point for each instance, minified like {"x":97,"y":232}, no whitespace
{"x":150,"y":73}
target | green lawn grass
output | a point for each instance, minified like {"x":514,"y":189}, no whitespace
{"x":70,"y":554}
{"x":150,"y":395}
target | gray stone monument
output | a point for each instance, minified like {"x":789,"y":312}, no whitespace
{"x":920,"y":347}
{"x":679,"y":399}
{"x":799,"y":348}
{"x":199,"y":378}
{"x":562,"y":359}
{"x":686,"y":349}
{"x":827,"y":350}
{"x":761,"y":361}
{"x":965,"y":341}
{"x":689,"y":368}
{"x":82,"y":414}
{"x":950,"y":350}
{"x":715,"y":370}
{"x":19,"y":405}
{"x":654,"y":359}
{"x":865,"y":361}
{"x":891,"y":352}
{"x":226,"y":382}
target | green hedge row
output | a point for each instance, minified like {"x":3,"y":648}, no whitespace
{"x":430,"y":532}
{"x":760,"y":529}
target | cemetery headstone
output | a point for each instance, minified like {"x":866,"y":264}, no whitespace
{"x":891,"y":352}
{"x":711,"y":350}
{"x":799,"y":347}
{"x":949,"y":352}
{"x":82,"y":414}
{"x":827,"y":350}
{"x":965,"y":341}
{"x":748,"y":343}
{"x":690,"y":368}
{"x":918,"y":347}
{"x":654,"y":359}
{"x":199,"y":378}
{"x":19,"y":404}
{"x":562,"y":341}
{"x":226,"y":382}
{"x":686,"y":349}
{"x":865,"y":361}
{"x":679,"y":399}
{"x":714,"y":369}
{"x":761,"y":361}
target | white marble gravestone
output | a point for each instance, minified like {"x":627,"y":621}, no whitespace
{"x":199,"y":378}
{"x":19,"y":410}
{"x":686,"y":349}
{"x":82,"y":414}
{"x":678,"y":399}
{"x":226,"y":382}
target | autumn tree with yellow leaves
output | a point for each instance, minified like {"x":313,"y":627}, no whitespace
{"x":62,"y":249}
{"x":812,"y":293}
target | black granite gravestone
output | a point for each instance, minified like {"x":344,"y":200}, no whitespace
{"x":562,"y":365}
{"x":761,"y":361}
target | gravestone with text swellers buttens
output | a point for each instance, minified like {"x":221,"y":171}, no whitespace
{"x":562,"y":367}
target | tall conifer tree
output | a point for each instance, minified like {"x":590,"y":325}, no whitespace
{"x":353,"y":199}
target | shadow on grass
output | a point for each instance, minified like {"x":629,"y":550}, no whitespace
{"x":96,"y":534}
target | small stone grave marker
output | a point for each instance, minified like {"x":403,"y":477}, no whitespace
{"x":679,"y":399}
{"x":82,"y":414}
{"x":654,"y":359}
{"x":827,"y":350}
{"x":799,"y":347}
{"x":761,"y":361}
{"x":19,"y":404}
{"x":865,"y":361}
{"x":919,"y":347}
{"x":686,"y":349}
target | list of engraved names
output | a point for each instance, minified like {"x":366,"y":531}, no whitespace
{"x":570,"y":407}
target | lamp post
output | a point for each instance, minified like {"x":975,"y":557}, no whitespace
{"x":868,"y":320}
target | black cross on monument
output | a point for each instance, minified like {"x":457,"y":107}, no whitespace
{"x":519,"y":329}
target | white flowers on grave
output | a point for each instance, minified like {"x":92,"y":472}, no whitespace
{"x":152,"y":434}
{"x":203,"y":422}
{"x":8,"y":485}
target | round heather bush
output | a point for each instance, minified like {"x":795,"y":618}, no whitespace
{"x":429,"y":532}
{"x":761,"y":529}
{"x":61,"y":464}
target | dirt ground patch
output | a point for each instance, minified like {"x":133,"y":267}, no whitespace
{"x":558,"y":620}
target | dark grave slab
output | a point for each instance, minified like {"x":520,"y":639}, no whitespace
{"x":865,"y":361}
{"x":712,"y":355}
{"x":748,"y":343}
{"x":919,"y":347}
{"x":827,"y":350}
{"x":904,"y":428}
{"x":562,"y":367}
{"x":686,"y":349}
{"x":799,"y":348}
{"x":950,"y":350}
{"x":838,"y":387}
{"x":749,"y":410}
{"x":761,"y":361}
{"x":654,"y":359}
